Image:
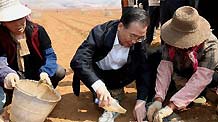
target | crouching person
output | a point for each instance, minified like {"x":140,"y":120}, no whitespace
{"x":189,"y":58}
{"x":25,"y":49}
{"x":114,"y":55}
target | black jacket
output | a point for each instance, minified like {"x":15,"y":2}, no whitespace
{"x":97,"y":45}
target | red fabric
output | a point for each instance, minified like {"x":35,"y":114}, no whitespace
{"x":35,"y":40}
{"x":171,"y":53}
{"x":7,"y":46}
{"x":190,"y":53}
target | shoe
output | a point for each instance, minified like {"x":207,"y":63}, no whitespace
{"x":117,"y":94}
{"x":200,"y":100}
{"x":173,"y":118}
{"x":108,"y":116}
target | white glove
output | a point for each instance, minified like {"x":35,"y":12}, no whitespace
{"x":154,"y":107}
{"x":162,"y":113}
{"x":104,"y":96}
{"x":139,"y":111}
{"x":45,"y":78}
{"x":10,"y":80}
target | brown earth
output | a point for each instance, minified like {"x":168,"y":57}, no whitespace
{"x":67,"y":30}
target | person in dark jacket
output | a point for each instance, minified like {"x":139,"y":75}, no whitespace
{"x":114,"y":55}
{"x":25,"y":50}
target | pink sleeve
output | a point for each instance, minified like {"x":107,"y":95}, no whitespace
{"x":195,"y":85}
{"x":164,"y":72}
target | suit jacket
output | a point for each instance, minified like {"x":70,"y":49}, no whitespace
{"x":98,"y":44}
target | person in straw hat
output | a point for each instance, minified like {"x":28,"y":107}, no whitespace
{"x":25,"y":49}
{"x":189,"y":58}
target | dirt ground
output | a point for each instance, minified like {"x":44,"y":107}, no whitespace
{"x":67,"y":29}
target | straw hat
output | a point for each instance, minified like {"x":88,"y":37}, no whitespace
{"x":12,"y":10}
{"x":186,"y":29}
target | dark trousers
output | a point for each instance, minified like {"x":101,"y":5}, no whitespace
{"x":125,"y":9}
{"x":144,"y":3}
{"x":154,"y":14}
{"x":206,"y":9}
{"x":168,"y":7}
{"x":58,"y":76}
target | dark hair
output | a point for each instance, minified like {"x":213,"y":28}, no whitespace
{"x":134,"y":15}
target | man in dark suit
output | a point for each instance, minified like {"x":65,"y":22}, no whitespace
{"x":114,"y":55}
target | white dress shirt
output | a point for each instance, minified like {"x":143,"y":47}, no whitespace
{"x":115,"y":59}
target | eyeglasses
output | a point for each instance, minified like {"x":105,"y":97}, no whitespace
{"x":136,"y":38}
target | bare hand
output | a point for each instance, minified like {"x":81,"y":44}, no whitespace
{"x":103,"y":96}
{"x":139,"y":111}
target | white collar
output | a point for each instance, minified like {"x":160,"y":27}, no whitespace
{"x":116,"y":41}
